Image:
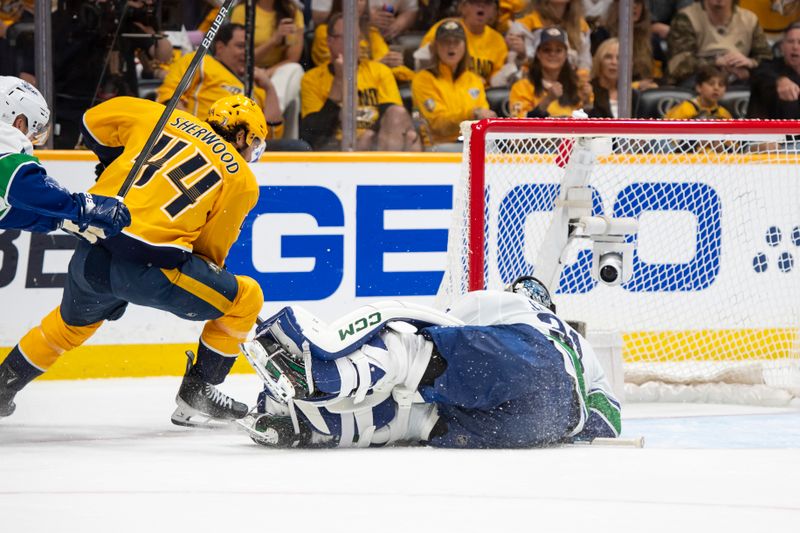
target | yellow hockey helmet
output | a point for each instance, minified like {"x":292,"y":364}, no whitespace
{"x":237,"y":109}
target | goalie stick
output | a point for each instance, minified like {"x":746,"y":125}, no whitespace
{"x":636,"y":442}
{"x":173,"y":102}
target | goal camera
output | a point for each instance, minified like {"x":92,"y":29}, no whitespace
{"x":612,"y":262}
{"x":612,"y":256}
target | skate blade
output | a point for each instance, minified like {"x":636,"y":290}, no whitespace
{"x":187,"y":416}
{"x":247,"y":424}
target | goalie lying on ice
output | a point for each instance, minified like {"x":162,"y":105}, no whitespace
{"x":499,"y":370}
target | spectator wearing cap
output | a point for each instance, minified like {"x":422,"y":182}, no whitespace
{"x":552,"y":88}
{"x":716,"y":32}
{"x":448,"y":93}
{"x":524,"y":34}
{"x":775,"y":84}
{"x":381,"y":120}
{"x":486,"y":48}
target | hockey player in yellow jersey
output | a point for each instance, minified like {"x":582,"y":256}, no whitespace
{"x":187,"y":205}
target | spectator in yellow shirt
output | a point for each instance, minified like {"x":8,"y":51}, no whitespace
{"x":486,"y":48}
{"x":278,"y":43}
{"x":372,"y":44}
{"x":381,"y":120}
{"x":447,"y":93}
{"x":221,"y":75}
{"x":552,"y":88}
{"x":710,"y":87}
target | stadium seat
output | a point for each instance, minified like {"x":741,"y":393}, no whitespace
{"x":736,"y":101}
{"x":498,"y":100}
{"x":654,"y":103}
{"x":408,"y":42}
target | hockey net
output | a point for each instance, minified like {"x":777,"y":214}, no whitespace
{"x":712,"y":310}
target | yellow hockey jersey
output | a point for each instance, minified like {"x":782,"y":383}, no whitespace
{"x":194,"y":191}
{"x":487,"y":52}
{"x":212,"y":81}
{"x":522,"y":99}
{"x":445,"y":102}
{"x":375,"y":84}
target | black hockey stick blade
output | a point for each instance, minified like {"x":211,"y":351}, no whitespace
{"x":173,"y":102}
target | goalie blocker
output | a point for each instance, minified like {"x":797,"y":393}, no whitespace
{"x":499,"y":370}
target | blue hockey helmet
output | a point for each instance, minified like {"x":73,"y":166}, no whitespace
{"x":533,"y":289}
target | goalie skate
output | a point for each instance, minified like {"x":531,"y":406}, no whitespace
{"x":201,"y":404}
{"x":278,"y":432}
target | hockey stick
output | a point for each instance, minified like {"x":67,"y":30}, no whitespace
{"x":636,"y":442}
{"x":249,"y":46}
{"x":173,"y":102}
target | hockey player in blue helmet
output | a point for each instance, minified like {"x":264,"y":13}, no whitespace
{"x":33,"y":201}
{"x":29,"y":198}
{"x":533,"y":289}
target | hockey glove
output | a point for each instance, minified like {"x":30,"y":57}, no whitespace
{"x":102,"y":212}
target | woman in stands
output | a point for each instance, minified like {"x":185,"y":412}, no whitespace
{"x":372,"y":44}
{"x":278,"y":47}
{"x":605,"y":75}
{"x":567,"y":14}
{"x":648,"y":56}
{"x":447,"y":93}
{"x":552,"y":88}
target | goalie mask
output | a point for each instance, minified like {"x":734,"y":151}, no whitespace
{"x":533,"y":289}
{"x":238,"y":110}
{"x":20,"y":98}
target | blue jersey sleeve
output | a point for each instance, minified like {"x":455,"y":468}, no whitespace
{"x":30,"y":189}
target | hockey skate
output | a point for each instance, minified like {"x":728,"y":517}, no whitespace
{"x":276,"y":431}
{"x":7,"y":405}
{"x":201,"y":404}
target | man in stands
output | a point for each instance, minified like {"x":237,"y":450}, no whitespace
{"x":188,"y":204}
{"x":382,"y":121}
{"x":717,"y":32}
{"x":222,"y":74}
{"x":499,"y":370}
{"x":775,"y":87}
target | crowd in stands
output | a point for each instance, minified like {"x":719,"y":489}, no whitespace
{"x":426,"y":65}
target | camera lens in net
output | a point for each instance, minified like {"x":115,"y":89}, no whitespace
{"x":609,"y":274}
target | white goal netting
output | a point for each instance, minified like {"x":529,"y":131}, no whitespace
{"x":714,"y":297}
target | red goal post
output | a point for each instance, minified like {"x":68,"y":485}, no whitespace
{"x":719,"y":205}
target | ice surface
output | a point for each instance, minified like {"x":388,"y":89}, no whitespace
{"x":102,"y":456}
